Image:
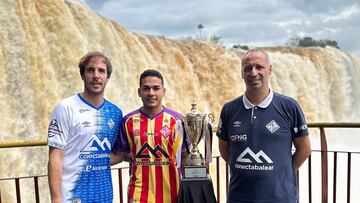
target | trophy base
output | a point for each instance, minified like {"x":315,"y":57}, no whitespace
{"x":195,"y":173}
{"x":195,"y":159}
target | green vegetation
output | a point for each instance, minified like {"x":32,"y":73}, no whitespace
{"x":294,"y":41}
{"x":203,"y":36}
{"x":238,"y":46}
{"x":310,"y":42}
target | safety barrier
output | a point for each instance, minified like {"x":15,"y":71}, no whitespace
{"x":220,"y":182}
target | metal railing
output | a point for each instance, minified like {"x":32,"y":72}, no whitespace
{"x":324,"y":162}
{"x":220,"y":183}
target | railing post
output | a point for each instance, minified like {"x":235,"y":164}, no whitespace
{"x":227,"y":179}
{"x":348,"y":177}
{"x":335,"y":177}
{"x":297,"y":182}
{"x":36,"y":184}
{"x":17,"y":186}
{"x":120,"y":185}
{"x":324,"y":166}
{"x":310,"y":181}
{"x":218,"y":178}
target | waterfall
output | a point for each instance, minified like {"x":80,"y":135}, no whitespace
{"x":43,"y":40}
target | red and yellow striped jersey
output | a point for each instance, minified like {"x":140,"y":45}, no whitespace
{"x":155,"y":144}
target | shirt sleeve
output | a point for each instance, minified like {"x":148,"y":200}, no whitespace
{"x":299,"y":122}
{"x":221,"y":131}
{"x":122,"y":143}
{"x":59,"y":127}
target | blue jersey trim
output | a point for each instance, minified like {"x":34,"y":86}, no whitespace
{"x":86,"y":102}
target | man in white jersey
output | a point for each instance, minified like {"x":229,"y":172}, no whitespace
{"x":81,"y":133}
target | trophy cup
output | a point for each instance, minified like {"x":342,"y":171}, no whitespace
{"x":197,"y":126}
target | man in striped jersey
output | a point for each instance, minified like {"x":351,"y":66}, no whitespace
{"x":155,"y":139}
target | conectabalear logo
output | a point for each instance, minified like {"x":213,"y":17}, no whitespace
{"x":95,"y":145}
{"x":148,"y":156}
{"x":146,"y":150}
{"x":248,"y":160}
{"x":96,"y":149}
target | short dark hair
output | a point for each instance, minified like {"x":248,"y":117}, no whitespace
{"x":266,"y":54}
{"x":151,"y":73}
{"x":87,"y":57}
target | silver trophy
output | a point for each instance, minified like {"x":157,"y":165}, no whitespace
{"x":197,"y":126}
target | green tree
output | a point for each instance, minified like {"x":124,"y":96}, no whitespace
{"x":309,"y":42}
{"x":215,"y":39}
{"x":203,"y":36}
{"x":238,"y":46}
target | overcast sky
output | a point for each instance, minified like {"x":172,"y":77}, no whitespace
{"x":254,"y":23}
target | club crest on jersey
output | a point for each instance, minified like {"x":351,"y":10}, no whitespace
{"x":165,"y":131}
{"x":272,"y":126}
{"x":110,"y":123}
{"x":54,"y":129}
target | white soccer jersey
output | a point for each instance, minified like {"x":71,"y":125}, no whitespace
{"x":86,"y":134}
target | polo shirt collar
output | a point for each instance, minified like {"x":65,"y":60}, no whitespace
{"x":263,"y":104}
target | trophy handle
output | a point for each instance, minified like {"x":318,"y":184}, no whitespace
{"x":211,"y":117}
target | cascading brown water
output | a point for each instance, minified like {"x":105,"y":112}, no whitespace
{"x":42,"y":41}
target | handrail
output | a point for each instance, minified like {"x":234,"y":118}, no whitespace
{"x":26,"y":177}
{"x":35,"y":143}
{"x":323,"y":152}
{"x":24,"y":143}
{"x":334,"y":125}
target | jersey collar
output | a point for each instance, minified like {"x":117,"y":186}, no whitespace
{"x":88,"y":103}
{"x":263,"y":104}
{"x":152,"y":117}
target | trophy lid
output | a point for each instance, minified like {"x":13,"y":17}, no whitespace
{"x":194,"y":112}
